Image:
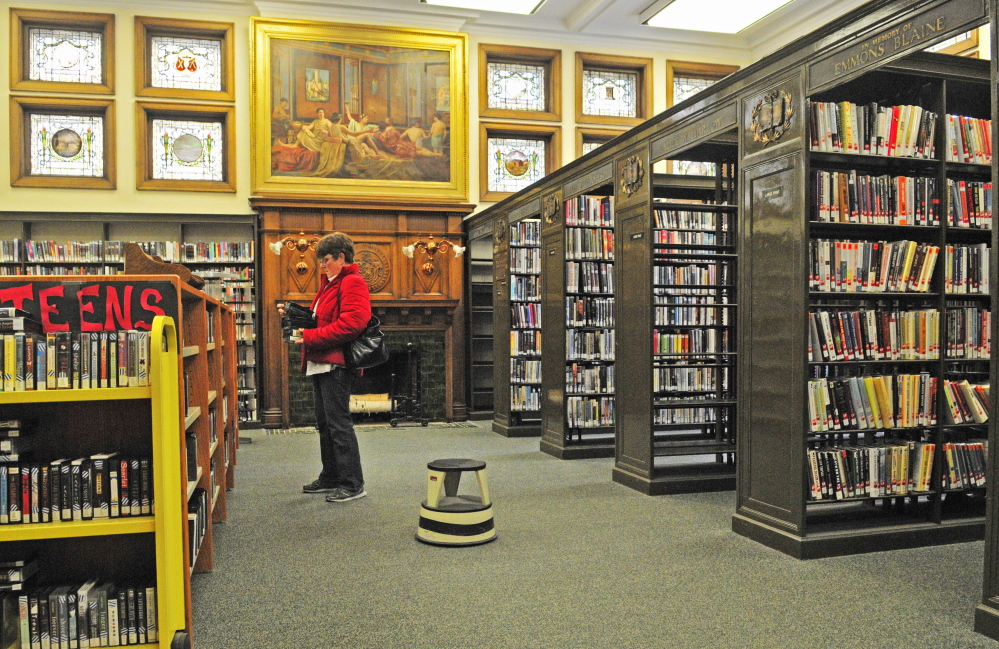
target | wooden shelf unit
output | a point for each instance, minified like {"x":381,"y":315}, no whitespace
{"x":562,"y":234}
{"x":233,"y":282}
{"x":205,"y":371}
{"x":522,"y":319}
{"x":987,"y":612}
{"x":142,"y":421}
{"x":788,"y":518}
{"x":655,"y":455}
{"x":479,"y":306}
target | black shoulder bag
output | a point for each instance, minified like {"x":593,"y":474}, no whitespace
{"x":368,"y":349}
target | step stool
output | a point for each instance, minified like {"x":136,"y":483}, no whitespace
{"x":452,"y":519}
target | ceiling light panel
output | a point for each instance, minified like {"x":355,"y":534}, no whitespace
{"x":722,"y":16}
{"x":506,"y":6}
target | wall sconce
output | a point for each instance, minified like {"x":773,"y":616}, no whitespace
{"x":431,"y":248}
{"x":301,"y":245}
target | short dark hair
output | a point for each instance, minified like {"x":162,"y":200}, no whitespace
{"x":282,"y":99}
{"x":320,"y":109}
{"x":334,"y":244}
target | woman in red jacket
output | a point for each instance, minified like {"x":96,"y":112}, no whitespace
{"x":343,"y":309}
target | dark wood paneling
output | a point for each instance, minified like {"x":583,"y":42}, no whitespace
{"x":633,"y":369}
{"x":772,"y":340}
{"x":553,"y":339}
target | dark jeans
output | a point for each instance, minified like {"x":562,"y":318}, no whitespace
{"x":337,"y":441}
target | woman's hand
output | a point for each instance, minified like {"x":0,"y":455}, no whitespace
{"x":297,"y":335}
{"x":280,"y":309}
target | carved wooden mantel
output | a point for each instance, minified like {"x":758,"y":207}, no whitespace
{"x":402,"y":295}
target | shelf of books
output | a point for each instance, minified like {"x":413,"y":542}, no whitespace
{"x":578,"y":309}
{"x":227,"y":267}
{"x":895,"y":344}
{"x":987,"y":612}
{"x":525,"y":328}
{"x":516,"y":319}
{"x":679,"y":435}
{"x":84,"y":349}
{"x":92,"y":519}
{"x":480,"y":317}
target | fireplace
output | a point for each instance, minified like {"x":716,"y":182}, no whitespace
{"x":417,"y":299}
{"x":377,"y":380}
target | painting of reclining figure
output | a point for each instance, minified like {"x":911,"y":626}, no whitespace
{"x":341,"y":110}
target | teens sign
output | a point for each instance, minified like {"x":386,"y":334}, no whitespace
{"x":92,"y":306}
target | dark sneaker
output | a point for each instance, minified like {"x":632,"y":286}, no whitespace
{"x":341,"y":495}
{"x":316,"y":487}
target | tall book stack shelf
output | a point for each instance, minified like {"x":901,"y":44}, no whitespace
{"x":480,"y":318}
{"x":896,"y":340}
{"x":578,"y":260}
{"x":685,"y":442}
{"x":227,"y":267}
{"x":97,"y":541}
{"x":987,"y":612}
{"x":525,"y":322}
{"x":149,"y":522}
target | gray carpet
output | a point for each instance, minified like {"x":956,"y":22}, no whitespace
{"x":580,"y":562}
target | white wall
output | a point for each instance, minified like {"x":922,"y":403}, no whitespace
{"x":126,"y":198}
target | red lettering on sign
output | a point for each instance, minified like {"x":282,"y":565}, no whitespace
{"x":114,"y":309}
{"x":17,"y":295}
{"x":51,"y":309}
{"x":144,"y":301}
{"x":87,"y":307}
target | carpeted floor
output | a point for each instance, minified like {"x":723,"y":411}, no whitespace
{"x":580,"y":562}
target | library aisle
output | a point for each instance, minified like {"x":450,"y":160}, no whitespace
{"x":580,"y":562}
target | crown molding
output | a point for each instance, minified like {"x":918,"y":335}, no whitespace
{"x":357,"y":13}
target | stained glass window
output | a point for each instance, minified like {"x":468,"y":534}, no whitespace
{"x":64,"y":55}
{"x":942,"y":45}
{"x":684,"y":87}
{"x":183,"y":62}
{"x":590,"y":146}
{"x":67,"y":145}
{"x":610,"y":93}
{"x":187,"y":150}
{"x":516,"y":86}
{"x":513,"y":163}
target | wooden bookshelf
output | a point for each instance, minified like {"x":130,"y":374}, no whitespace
{"x":90,"y":248}
{"x":987,"y":612}
{"x":577,"y":228}
{"x":525,"y":323}
{"x":678,"y":433}
{"x":200,"y":371}
{"x":479,"y":305}
{"x":135,"y":422}
{"x":790,"y":517}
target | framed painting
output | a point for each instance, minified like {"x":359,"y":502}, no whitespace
{"x":359,"y":112}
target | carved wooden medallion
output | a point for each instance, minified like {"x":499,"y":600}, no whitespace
{"x":632,"y":175}
{"x":373,"y":265}
{"x":549,"y":208}
{"x":772,"y":117}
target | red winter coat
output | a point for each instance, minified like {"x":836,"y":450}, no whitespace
{"x":343,"y":309}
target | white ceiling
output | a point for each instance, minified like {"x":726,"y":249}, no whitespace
{"x":604,"y":23}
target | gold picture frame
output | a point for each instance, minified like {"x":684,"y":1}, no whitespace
{"x":305,"y":73}
{"x":21,"y":108}
{"x":147,"y":111}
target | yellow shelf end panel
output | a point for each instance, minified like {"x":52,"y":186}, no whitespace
{"x":168,"y":482}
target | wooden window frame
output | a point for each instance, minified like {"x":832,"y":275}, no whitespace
{"x":20,"y":149}
{"x":641,"y":66}
{"x":551,"y":59}
{"x":605,"y":134}
{"x":693,"y":69}
{"x":146,"y":111}
{"x":21,"y":20}
{"x":146,"y":27}
{"x":553,"y":150}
